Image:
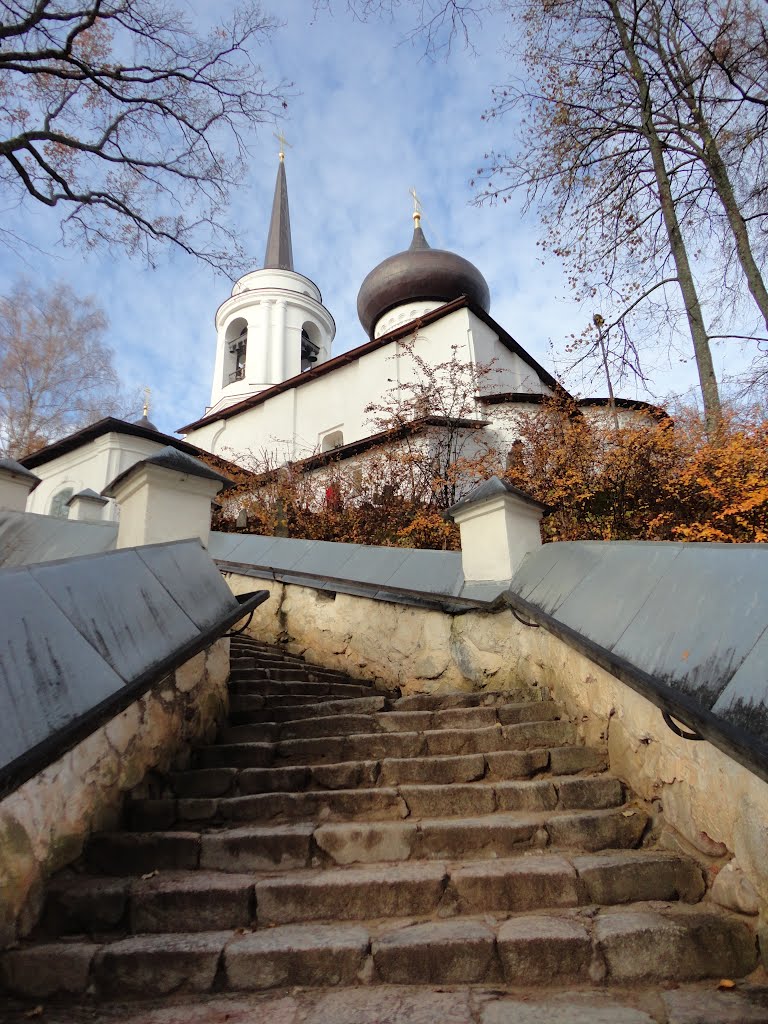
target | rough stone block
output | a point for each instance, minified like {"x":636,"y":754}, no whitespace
{"x":463,"y":718}
{"x":198,"y":902}
{"x":321,"y":955}
{"x":529,"y":711}
{"x":544,"y":950}
{"x":708,"y":1007}
{"x":333,"y":725}
{"x":539,"y":795}
{"x":402,"y":721}
{"x":347,"y":775}
{"x":272,"y":780}
{"x":569,"y":1009}
{"x":392,"y":1004}
{"x":432,"y":770}
{"x":383,"y":745}
{"x":538,"y":734}
{"x":350,"y":894}
{"x":39,"y":972}
{"x":497,"y":835}
{"x":257,"y":848}
{"x":732,"y":889}
{"x":646,"y":945}
{"x":440,"y":952}
{"x":571,"y":760}
{"x":237,"y":755}
{"x":327,"y":748}
{"x":516,"y":764}
{"x":526,"y":883}
{"x":135,"y":853}
{"x":593,"y":793}
{"x":347,"y":843}
{"x":151,"y":815}
{"x":464,"y":741}
{"x":378,"y":803}
{"x":635,"y":876}
{"x":451,"y":800}
{"x":79,"y":904}
{"x":597,"y":830}
{"x":205,"y":782}
{"x":155,"y":965}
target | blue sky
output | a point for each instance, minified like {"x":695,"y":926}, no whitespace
{"x":370,"y":118}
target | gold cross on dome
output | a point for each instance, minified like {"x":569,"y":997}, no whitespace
{"x":416,"y":207}
{"x":283,"y":143}
{"x":147,"y":393}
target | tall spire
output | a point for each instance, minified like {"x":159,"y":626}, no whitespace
{"x":279,"y":254}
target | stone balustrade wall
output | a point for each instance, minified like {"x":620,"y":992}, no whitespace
{"x":44,"y":824}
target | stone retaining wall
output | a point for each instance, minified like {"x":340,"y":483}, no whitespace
{"x":716,"y":809}
{"x":45,"y":823}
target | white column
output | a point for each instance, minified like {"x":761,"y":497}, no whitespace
{"x":262,"y":340}
{"x":278,"y":344}
{"x":499,"y":525}
{"x":16,"y":484}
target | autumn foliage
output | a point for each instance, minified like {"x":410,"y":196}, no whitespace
{"x":652,"y":478}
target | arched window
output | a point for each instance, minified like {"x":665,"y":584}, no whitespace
{"x":333,"y":440}
{"x":59,"y":507}
{"x":236,"y":345}
{"x":310,"y":345}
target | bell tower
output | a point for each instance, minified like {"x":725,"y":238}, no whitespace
{"x":274,"y":325}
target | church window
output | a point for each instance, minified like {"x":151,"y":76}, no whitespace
{"x":236,"y":348}
{"x":333,"y":440}
{"x":310,"y":347}
{"x":59,"y":507}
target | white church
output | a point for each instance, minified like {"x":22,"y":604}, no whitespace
{"x":277,"y":386}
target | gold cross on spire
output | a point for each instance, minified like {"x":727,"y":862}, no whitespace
{"x":283,"y":143}
{"x":416,"y":208}
{"x":147,"y":393}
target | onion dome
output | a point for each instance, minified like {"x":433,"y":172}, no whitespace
{"x":420,"y":273}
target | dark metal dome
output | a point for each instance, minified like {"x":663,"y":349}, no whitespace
{"x":419,"y":273}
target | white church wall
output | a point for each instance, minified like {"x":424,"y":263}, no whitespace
{"x":292,"y":424}
{"x":91,"y":465}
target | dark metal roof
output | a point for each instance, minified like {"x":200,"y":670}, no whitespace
{"x":110,"y":424}
{"x":145,"y":422}
{"x":279,"y":253}
{"x":492,"y":488}
{"x":172,"y":459}
{"x":16,"y":469}
{"x":463,"y":302}
{"x":419,"y":273}
{"x":89,"y":494}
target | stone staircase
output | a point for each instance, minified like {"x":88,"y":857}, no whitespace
{"x":337,"y":835}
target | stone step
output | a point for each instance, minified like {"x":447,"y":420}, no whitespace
{"x":505,"y":764}
{"x":292,"y":674}
{"x":380,"y":803}
{"x":250,"y":707}
{"x":621,"y":947}
{"x":298,"y":688}
{"x":210,"y":900}
{"x":305,"y":707}
{"x":379,"y":746}
{"x":391,"y":721}
{"x":374,"y":746}
{"x":303,"y":845}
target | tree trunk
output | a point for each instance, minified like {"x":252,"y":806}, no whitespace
{"x":700,"y":338}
